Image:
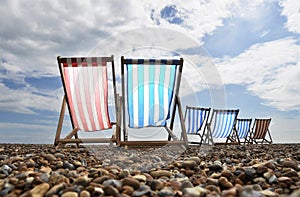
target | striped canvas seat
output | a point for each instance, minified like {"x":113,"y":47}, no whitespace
{"x":222,"y":125}
{"x":260,"y":130}
{"x":150,"y":88}
{"x":85,"y":83}
{"x":196,"y":120}
{"x":243,"y":127}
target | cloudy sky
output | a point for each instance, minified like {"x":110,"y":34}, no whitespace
{"x":238,"y":54}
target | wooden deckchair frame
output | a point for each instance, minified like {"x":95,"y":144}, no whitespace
{"x":259,"y":136}
{"x":232,"y":138}
{"x":202,"y":127}
{"x":74,"y":133}
{"x":247,"y":139}
{"x":176,"y":103}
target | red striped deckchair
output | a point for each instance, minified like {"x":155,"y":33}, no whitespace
{"x":85,"y":84}
{"x":260,"y":130}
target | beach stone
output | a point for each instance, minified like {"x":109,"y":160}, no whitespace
{"x":212,"y":181}
{"x":49,"y":157}
{"x":37,"y":191}
{"x":112,"y":182}
{"x":82,"y":180}
{"x":215,"y":167}
{"x":227,"y":174}
{"x":188,"y":164}
{"x":195,"y":191}
{"x":230,"y":192}
{"x":70,"y":194}
{"x":273,"y":179}
{"x":247,"y":191}
{"x":290,"y":164}
{"x":140,"y":177}
{"x":56,"y":189}
{"x":6,"y":169}
{"x":156,"y":185}
{"x":59,"y":155}
{"x":261,"y":169}
{"x":127,"y":190}
{"x":160,"y":173}
{"x":131,"y":182}
{"x":250,"y":172}
{"x":213,"y":188}
{"x":268,"y":193}
{"x":186,"y":184}
{"x":143,"y":190}
{"x":166,"y":191}
{"x":68,"y":165}
{"x":110,"y":190}
{"x":270,"y":165}
{"x":101,"y":179}
{"x":84,"y":193}
{"x":259,"y":180}
{"x":176,"y":185}
{"x":290,"y":174}
{"x":295,"y":193}
{"x":224,"y":183}
{"x":196,"y":159}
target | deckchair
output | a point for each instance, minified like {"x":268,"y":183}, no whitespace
{"x":149,"y":92}
{"x":259,"y":131}
{"x":243,"y":127}
{"x":221,"y":125}
{"x":85,"y":84}
{"x":196,"y":119}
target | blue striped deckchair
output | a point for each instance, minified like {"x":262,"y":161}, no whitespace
{"x":221,"y":125}
{"x":149,"y":88}
{"x":196,"y":119}
{"x":243,"y":127}
{"x":260,"y":130}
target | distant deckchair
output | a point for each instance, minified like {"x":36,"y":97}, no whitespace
{"x":260,"y":130}
{"x":149,"y":88}
{"x":221,"y":125}
{"x":243,"y":127}
{"x":85,"y":84}
{"x":196,"y":119}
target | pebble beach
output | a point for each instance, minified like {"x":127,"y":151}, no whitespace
{"x":107,"y":170}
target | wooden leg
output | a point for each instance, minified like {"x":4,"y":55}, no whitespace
{"x":60,"y":122}
{"x":183,"y":129}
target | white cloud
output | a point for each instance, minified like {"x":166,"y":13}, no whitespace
{"x":291,"y":9}
{"x":270,"y":70}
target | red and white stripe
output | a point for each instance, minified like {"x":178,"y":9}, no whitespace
{"x":86,"y":85}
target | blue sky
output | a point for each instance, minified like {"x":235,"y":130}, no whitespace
{"x":239,"y":54}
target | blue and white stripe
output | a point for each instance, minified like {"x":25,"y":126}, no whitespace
{"x":196,"y":118}
{"x":243,"y":127}
{"x":150,"y":87}
{"x":223,"y":123}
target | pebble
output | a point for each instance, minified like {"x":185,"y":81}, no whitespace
{"x":69,"y":194}
{"x":131,"y":182}
{"x":160,"y":173}
{"x":251,"y":170}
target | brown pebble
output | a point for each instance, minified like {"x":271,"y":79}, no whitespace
{"x":110,"y":190}
{"x":70,"y":194}
{"x":160,"y":173}
{"x":131,"y":182}
{"x":127,"y":190}
{"x":224,"y":183}
{"x":290,"y":164}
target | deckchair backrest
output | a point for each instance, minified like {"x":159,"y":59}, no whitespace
{"x":86,"y":87}
{"x":261,"y":127}
{"x":150,"y":86}
{"x":243,"y":127}
{"x":223,"y":122}
{"x":196,"y":119}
